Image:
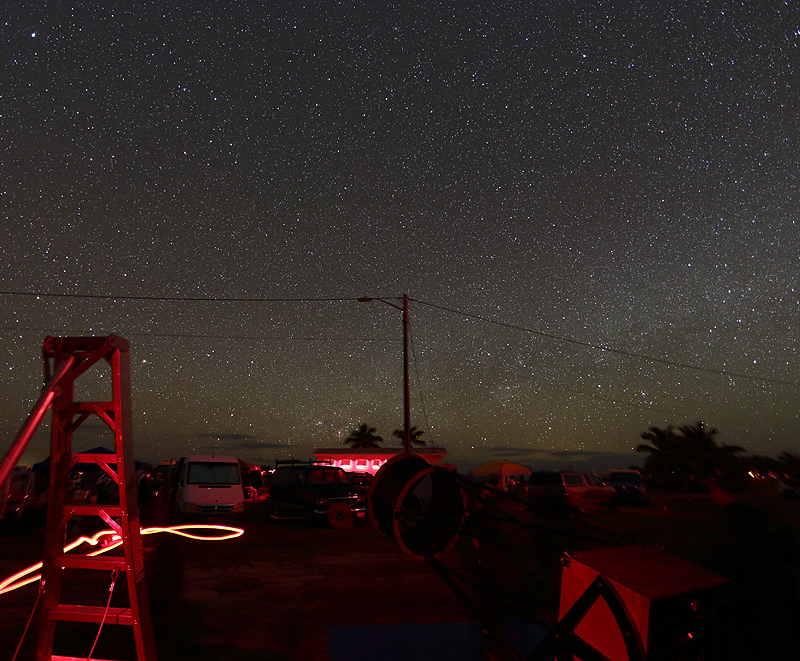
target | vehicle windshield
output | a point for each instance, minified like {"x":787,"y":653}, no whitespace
{"x":212,"y":472}
{"x":326,"y":475}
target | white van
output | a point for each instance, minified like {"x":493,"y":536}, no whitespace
{"x":208,"y":484}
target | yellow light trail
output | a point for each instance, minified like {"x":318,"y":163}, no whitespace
{"x":109,"y":539}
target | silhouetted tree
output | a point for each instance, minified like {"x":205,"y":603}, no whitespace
{"x":663,"y":458}
{"x":730,"y":460}
{"x":688,"y":455}
{"x":415,"y":435}
{"x":760,"y":465}
{"x":364,"y":437}
{"x":699,"y":449}
{"x":790,"y":463}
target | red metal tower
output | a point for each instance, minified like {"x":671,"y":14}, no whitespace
{"x":65,"y":359}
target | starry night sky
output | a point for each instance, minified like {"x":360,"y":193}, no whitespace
{"x":593,"y":207}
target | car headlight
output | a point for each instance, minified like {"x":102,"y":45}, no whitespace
{"x":320,"y":502}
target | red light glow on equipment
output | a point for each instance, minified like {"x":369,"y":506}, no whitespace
{"x":109,"y":539}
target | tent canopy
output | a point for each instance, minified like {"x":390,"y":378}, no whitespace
{"x":44,"y":466}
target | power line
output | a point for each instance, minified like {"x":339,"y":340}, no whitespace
{"x":607,"y":349}
{"x":550,"y":336}
{"x":204,"y":336}
{"x":195,"y":299}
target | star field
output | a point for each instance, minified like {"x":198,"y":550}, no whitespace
{"x":544,"y":180}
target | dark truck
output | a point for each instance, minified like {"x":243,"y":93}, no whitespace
{"x":311,"y":490}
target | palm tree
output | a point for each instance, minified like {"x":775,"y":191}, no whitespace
{"x":729,"y":459}
{"x":415,"y":435}
{"x":790,"y":463}
{"x":689,"y":455}
{"x":663,"y":459}
{"x":700,"y":448}
{"x":364,"y":437}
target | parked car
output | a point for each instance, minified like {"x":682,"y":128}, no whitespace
{"x":567,"y":490}
{"x":361,"y":481}
{"x":629,"y":485}
{"x":308,"y":490}
{"x":598,"y":492}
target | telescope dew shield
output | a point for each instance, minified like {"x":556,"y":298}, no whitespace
{"x":417,"y":505}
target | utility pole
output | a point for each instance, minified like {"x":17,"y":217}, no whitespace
{"x":406,"y":388}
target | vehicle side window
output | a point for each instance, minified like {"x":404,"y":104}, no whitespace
{"x":546,"y":479}
{"x":574,"y":480}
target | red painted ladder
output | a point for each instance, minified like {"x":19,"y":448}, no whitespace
{"x":67,"y":358}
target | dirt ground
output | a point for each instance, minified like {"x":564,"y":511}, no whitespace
{"x":283,"y":591}
{"x":269,"y":594}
